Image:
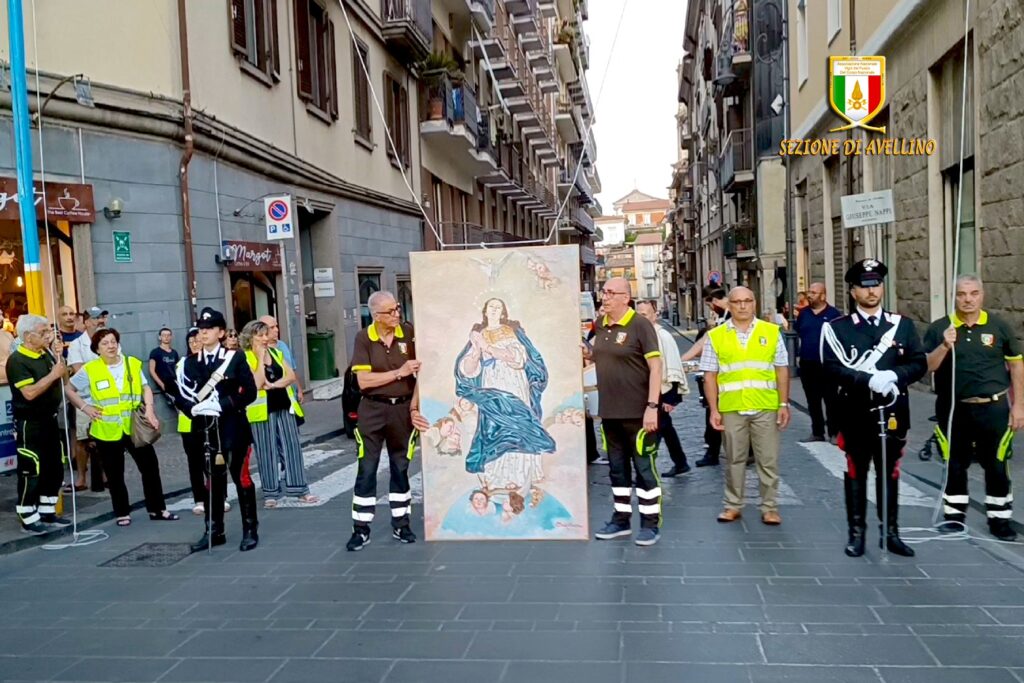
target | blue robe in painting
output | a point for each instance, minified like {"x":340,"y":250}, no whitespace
{"x":506,"y":424}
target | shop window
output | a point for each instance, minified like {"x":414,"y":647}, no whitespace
{"x":252,"y":296}
{"x":404,"y":295}
{"x":368,"y":284}
{"x":56,"y":264}
{"x":254,"y":38}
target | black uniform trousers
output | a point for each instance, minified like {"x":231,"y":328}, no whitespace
{"x":382,"y":424}
{"x":112,"y":455}
{"x":195,"y":456}
{"x":206,"y":433}
{"x":820,"y":391}
{"x":631,"y":454}
{"x":712,"y":437}
{"x":588,"y":427}
{"x":980,"y":433}
{"x":40,"y":467}
{"x":862,"y":451}
{"x":667,"y":430}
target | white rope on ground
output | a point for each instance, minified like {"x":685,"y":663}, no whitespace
{"x":80,"y":538}
{"x":387,"y":129}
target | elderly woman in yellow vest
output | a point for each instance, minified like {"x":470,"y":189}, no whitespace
{"x":746,"y":382}
{"x":274,"y":419}
{"x":109,"y":389}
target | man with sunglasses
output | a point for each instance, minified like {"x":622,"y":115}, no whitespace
{"x":628,"y":362}
{"x":385,"y":365}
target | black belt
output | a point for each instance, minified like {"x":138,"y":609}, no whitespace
{"x":396,"y":400}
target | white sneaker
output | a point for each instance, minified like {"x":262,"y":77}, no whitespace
{"x":227,"y":506}
{"x":199,"y":509}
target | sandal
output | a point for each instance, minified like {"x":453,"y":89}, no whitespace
{"x":270,"y":504}
{"x":165,"y":516}
{"x":308,"y":499}
{"x":124,"y":521}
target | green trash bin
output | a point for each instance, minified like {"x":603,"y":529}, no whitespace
{"x":320,"y":346}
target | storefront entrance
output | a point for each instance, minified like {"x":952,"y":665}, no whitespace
{"x":254,"y":269}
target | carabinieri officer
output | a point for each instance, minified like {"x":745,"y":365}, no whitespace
{"x":988,"y":361}
{"x":384,"y":360}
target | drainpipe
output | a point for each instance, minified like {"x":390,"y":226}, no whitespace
{"x":186,"y":157}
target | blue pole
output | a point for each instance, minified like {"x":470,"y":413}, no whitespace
{"x":23,"y":153}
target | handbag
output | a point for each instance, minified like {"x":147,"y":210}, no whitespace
{"x":143,"y":433}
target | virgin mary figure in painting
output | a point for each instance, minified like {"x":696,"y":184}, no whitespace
{"x":503,"y":374}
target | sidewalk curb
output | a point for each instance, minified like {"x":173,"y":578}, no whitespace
{"x":10,"y":547}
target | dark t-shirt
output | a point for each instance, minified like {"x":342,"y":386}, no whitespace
{"x":621,"y":351}
{"x":369,"y":354}
{"x":67,"y":338}
{"x":808,"y":326}
{"x":277,"y":399}
{"x":981,"y":354}
{"x":25,"y":368}
{"x":166,"y":361}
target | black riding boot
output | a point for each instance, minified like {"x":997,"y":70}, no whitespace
{"x":892,"y":527}
{"x":856,"y":507}
{"x":250,"y":524}
{"x":215,"y":537}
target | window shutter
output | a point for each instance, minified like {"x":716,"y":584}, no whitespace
{"x":303,"y":54}
{"x":236,"y":17}
{"x":332,"y":72}
{"x":403,"y":125}
{"x":389,"y":115}
{"x":275,"y":52}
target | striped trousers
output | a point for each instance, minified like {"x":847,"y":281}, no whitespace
{"x":980,"y":434}
{"x":631,"y":451}
{"x":382,"y":424}
{"x":276,"y":443}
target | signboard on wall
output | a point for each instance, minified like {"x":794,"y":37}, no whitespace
{"x":8,"y":449}
{"x":70,"y":202}
{"x":279,"y":217}
{"x":251,"y":256}
{"x":868,"y":208}
{"x":122,"y":246}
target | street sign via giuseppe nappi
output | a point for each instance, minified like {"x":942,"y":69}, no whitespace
{"x":279,"y":217}
{"x":868,"y":208}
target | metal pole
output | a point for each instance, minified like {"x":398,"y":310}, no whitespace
{"x":23,"y":156}
{"x":788,"y":216}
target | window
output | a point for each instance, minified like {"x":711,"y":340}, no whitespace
{"x":368,"y":284}
{"x":254,"y":37}
{"x":404,"y":292}
{"x":835,"y":18}
{"x":967,"y":258}
{"x":361,"y":91}
{"x":315,"y":54}
{"x":396,"y":108}
{"x":801,"y":42}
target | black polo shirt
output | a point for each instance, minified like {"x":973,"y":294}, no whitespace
{"x":24,"y":368}
{"x":621,"y":351}
{"x":371,"y":355}
{"x":982,"y":351}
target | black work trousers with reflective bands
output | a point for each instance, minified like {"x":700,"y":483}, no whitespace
{"x":631,"y":454}
{"x":382,"y":424}
{"x":40,"y":468}
{"x":980,"y":433}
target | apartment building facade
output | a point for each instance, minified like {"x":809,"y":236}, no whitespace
{"x":924,"y":44}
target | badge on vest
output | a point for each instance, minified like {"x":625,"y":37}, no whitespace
{"x":763,"y":340}
{"x":988,"y":340}
{"x":404,"y":348}
{"x":103,"y":385}
{"x":620,"y":338}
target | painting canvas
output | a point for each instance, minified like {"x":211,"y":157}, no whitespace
{"x":497,"y":331}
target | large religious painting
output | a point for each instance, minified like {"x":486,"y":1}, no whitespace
{"x":497,"y":331}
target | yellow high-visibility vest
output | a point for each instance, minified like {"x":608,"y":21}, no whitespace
{"x":257,"y":410}
{"x":114,"y":403}
{"x":746,"y":376}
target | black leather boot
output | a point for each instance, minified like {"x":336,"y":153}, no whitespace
{"x":892,"y":528}
{"x":250,"y":523}
{"x":214,"y":538}
{"x":856,"y":507}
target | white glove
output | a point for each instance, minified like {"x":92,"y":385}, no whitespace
{"x":883,"y":382}
{"x":207,"y":408}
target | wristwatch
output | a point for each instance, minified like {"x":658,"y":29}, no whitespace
{"x":783,"y":405}
{"x":652,"y":405}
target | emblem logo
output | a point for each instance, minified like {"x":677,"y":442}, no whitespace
{"x":856,"y":90}
{"x":764,"y":341}
{"x":988,"y":340}
{"x":620,"y":338}
{"x":404,"y":348}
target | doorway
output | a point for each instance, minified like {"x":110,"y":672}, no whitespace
{"x":253,"y":295}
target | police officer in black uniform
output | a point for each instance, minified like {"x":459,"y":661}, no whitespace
{"x":215,"y":386}
{"x":988,"y":361}
{"x":874,"y":356}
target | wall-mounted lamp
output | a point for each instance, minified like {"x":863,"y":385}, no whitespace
{"x":226,"y":256}
{"x":21,"y":281}
{"x":114,"y":208}
{"x":426,"y":202}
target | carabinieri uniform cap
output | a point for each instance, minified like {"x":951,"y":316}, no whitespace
{"x":866,"y":273}
{"x":209,"y":318}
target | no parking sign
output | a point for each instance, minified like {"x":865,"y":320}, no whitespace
{"x":277,"y":212}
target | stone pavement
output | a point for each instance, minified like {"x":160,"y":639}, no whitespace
{"x":709,"y":603}
{"x":323,"y":421}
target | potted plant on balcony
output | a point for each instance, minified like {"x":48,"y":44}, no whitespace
{"x":433,"y":69}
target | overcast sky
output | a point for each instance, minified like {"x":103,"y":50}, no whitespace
{"x":635,"y":113}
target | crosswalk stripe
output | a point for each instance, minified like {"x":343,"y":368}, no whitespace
{"x":752,"y":489}
{"x":833,"y":460}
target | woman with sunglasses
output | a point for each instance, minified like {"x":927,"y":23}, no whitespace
{"x":231,"y":341}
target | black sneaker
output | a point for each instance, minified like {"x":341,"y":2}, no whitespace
{"x":54,"y":522}
{"x":677,"y":471}
{"x":812,"y":438}
{"x":34,"y":529}
{"x":1002,"y":530}
{"x":357,"y":541}
{"x":612,"y":530}
{"x":707,"y":461}
{"x":403,"y":534}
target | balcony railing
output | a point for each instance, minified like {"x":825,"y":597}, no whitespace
{"x":473,"y":234}
{"x":739,"y":238}
{"x":408,"y":25}
{"x":458,"y":103}
{"x":737,"y":158}
{"x":521,"y":68}
{"x":483,"y":135}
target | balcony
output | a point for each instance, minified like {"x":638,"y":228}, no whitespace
{"x":734,"y":59}
{"x":564,"y":45}
{"x":407,"y":28}
{"x":455,"y":127}
{"x":548,"y":8}
{"x":471,"y":235}
{"x":739,"y":241}
{"x":565,"y":121}
{"x":479,"y":12}
{"x":518,"y":7}
{"x":737,"y":162}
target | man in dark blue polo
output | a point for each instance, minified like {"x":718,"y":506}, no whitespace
{"x":817,"y":388}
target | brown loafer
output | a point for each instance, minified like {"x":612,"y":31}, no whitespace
{"x":729,"y":515}
{"x":771,"y":518}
